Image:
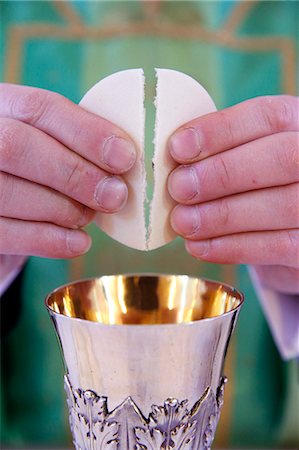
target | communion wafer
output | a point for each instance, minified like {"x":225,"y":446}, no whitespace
{"x":119,"y":98}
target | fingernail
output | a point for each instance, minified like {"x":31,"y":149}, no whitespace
{"x":78,"y":242}
{"x":86,"y":217}
{"x":198,"y":248}
{"x":119,"y":154}
{"x":183,"y":183}
{"x":185,"y":220}
{"x":111,"y":194}
{"x":185,"y":144}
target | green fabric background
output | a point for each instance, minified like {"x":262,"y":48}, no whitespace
{"x":263,"y":405}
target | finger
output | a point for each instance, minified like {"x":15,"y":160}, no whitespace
{"x":22,"y":199}
{"x":29,"y":153}
{"x":18,"y":237}
{"x":93,"y":137}
{"x":269,"y":161}
{"x":234,"y":126}
{"x":265,"y":247}
{"x":279,"y":278}
{"x":266,"y":209}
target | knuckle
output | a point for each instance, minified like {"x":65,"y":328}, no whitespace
{"x":75,"y":216}
{"x":4,"y":234}
{"x":84,"y":134}
{"x":292,"y":208}
{"x":89,"y":133}
{"x":70,"y":216}
{"x":293,"y":150}
{"x":226,"y":124}
{"x":287,"y":154}
{"x":13,"y":144}
{"x":221,"y":170}
{"x":205,"y":174}
{"x":56,"y":241}
{"x":7,"y":142}
{"x":293,"y":245}
{"x":73,"y":176}
{"x":287,"y":246}
{"x":6,"y":191}
{"x":87,"y":215}
{"x":279,"y":112}
{"x":31,"y":106}
{"x":70,"y":249}
{"x":92,"y":131}
{"x":223,"y":213}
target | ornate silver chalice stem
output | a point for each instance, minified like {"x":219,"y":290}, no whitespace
{"x":144,"y":357}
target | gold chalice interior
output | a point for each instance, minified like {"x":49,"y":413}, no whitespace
{"x":144,"y":299}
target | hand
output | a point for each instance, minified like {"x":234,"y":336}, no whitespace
{"x":237,"y":188}
{"x":59,"y":164}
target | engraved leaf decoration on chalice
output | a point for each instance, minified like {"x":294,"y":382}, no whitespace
{"x":89,"y":426}
{"x":148,"y":439}
{"x":211,"y":426}
{"x":168,"y":428}
{"x":183,"y":436}
{"x":106,"y":435}
{"x":169,"y":416}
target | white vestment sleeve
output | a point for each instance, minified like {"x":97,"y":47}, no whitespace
{"x":282,"y":314}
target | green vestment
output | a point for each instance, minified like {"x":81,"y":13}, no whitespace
{"x":237,"y":50}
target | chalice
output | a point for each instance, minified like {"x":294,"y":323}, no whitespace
{"x":144,"y":356}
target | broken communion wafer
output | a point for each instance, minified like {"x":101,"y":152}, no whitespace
{"x":119,"y":98}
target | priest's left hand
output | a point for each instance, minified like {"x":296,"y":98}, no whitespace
{"x":237,"y":188}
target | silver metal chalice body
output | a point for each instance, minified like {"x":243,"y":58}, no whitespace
{"x":144,"y":359}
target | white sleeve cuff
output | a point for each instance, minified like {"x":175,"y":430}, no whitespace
{"x":282,"y":314}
